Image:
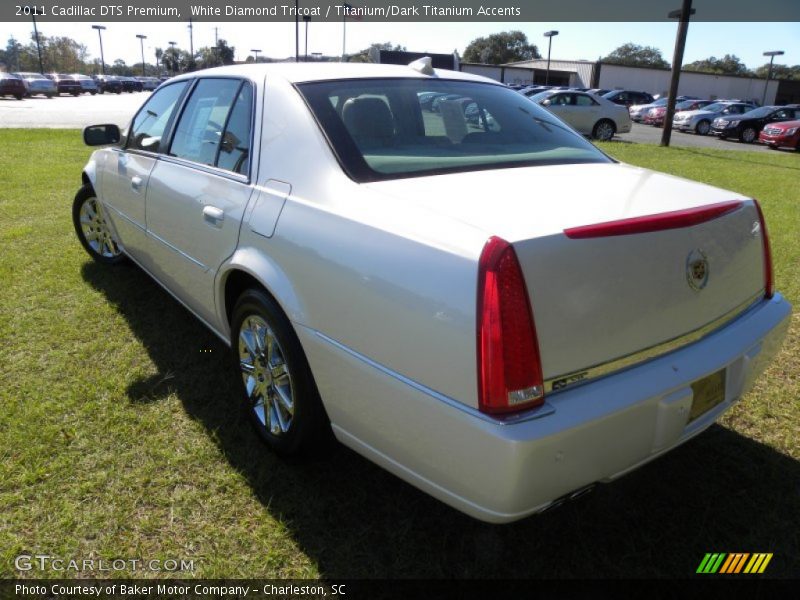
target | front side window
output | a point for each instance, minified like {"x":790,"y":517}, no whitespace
{"x":150,"y":122}
{"x":389,"y":128}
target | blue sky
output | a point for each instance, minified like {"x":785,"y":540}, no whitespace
{"x":575,"y":41}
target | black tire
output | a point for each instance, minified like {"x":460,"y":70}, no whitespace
{"x":309,"y":428}
{"x":86,"y":194}
{"x":93,"y":93}
{"x":19,"y":96}
{"x":748,"y":135}
{"x":702,"y":128}
{"x":50,"y":96}
{"x":601,"y":129}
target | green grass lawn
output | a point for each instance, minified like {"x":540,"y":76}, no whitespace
{"x":118,"y":438}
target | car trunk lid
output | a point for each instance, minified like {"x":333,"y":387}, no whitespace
{"x":603,"y":300}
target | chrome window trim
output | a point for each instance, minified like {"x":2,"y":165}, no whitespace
{"x":624,"y":362}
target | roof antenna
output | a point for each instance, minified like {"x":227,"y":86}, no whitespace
{"x":423,"y":65}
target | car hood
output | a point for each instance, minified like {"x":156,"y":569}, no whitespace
{"x":521,"y":203}
{"x":784,"y":125}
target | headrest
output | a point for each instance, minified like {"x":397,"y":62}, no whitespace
{"x":368,"y":118}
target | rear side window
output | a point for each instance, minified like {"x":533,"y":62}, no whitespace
{"x":214,"y":128}
{"x":234,"y":151}
{"x":151,"y":120}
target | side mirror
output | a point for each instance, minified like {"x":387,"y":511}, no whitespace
{"x":101,"y":135}
{"x":546,"y":102}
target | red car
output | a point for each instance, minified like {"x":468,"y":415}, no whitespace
{"x":785,"y":134}
{"x":12,"y":86}
{"x":655,"y":116}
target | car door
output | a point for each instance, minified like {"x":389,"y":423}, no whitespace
{"x":200,"y":189}
{"x":127,"y":167}
{"x":560,"y":105}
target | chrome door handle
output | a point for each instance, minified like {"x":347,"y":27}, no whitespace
{"x":136,"y":183}
{"x":213,"y":215}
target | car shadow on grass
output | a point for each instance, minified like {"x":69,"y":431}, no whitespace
{"x":721,"y":492}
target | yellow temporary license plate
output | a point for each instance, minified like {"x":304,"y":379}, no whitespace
{"x":708,"y":392}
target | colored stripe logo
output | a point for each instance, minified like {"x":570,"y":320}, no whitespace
{"x":734,"y":562}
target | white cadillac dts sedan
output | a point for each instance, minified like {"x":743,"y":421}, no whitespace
{"x":476,"y":298}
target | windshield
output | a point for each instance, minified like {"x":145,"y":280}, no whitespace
{"x":716,"y":107}
{"x":540,"y":96}
{"x":757,"y":113}
{"x":385,"y":128}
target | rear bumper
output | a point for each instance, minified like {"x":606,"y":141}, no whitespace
{"x":500,"y":472}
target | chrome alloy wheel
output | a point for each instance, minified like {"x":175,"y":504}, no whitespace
{"x":604,"y":131}
{"x":96,"y":230}
{"x":266,"y":375}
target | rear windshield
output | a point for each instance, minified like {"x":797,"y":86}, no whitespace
{"x":391,"y":128}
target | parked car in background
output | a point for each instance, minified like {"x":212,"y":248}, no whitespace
{"x":586,"y":113}
{"x":655,"y":116}
{"x":781,"y":135}
{"x":638,"y":111}
{"x":599,"y":91}
{"x":699,"y":121}
{"x":502,"y":338}
{"x":131,"y":84}
{"x":66,"y":84}
{"x":37,"y":84}
{"x":535,"y":89}
{"x":11,"y":85}
{"x":747,"y":126}
{"x":628,"y":97}
{"x":108,"y":83}
{"x":88,"y":85}
{"x":149,"y":83}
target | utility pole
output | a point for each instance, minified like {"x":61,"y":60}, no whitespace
{"x":306,"y":18}
{"x":684,"y":13}
{"x":296,"y":31}
{"x":100,"y":29}
{"x":174,"y":57}
{"x":142,"y":38}
{"x":191,"y":45}
{"x":38,"y":47}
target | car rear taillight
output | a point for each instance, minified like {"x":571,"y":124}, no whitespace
{"x":509,"y":364}
{"x":769,"y":281}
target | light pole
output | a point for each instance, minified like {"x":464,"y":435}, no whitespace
{"x":683,"y":13}
{"x":307,"y":19}
{"x":36,"y":34}
{"x":255,"y":51}
{"x":549,"y":35}
{"x":772,"y":54}
{"x":142,"y":38}
{"x":174,"y":58}
{"x":100,"y":29}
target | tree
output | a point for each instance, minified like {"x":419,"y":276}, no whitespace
{"x":633,"y":55}
{"x":175,"y":60}
{"x":365,"y":56}
{"x":10,"y":57}
{"x":727,"y":65}
{"x":500,"y":48}
{"x":779,"y":71}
